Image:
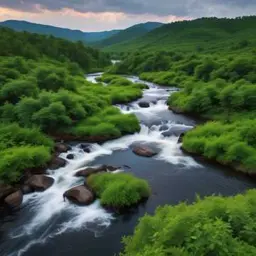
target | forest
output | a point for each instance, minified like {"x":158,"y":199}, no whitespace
{"x":43,"y":94}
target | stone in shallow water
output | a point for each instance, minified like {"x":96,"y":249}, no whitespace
{"x":61,"y":147}
{"x":39,"y":182}
{"x":79,"y":195}
{"x":14,"y":200}
{"x":70,"y":156}
{"x":57,"y":163}
{"x":144,"y":151}
{"x":144,"y":104}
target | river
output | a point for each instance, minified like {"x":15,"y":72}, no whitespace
{"x":46,"y":225}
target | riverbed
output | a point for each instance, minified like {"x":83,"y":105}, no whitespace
{"x":46,"y":225}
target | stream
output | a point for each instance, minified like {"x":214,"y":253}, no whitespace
{"x":46,"y":225}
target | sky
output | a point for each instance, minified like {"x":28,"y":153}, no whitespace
{"x":99,"y":15}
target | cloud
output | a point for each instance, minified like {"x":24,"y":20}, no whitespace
{"x":192,"y":8}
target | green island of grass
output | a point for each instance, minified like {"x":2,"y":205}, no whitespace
{"x":118,"y":191}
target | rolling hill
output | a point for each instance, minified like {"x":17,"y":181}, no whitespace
{"x":69,"y":34}
{"x":199,"y":33}
{"x":129,"y":34}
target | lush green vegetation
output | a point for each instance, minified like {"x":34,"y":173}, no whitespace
{"x":128,"y":34}
{"x":119,"y":190}
{"x":212,"y":226}
{"x":202,"y":34}
{"x":217,"y":81}
{"x":34,"y":46}
{"x":42,"y":94}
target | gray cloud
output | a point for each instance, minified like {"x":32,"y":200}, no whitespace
{"x":191,"y":8}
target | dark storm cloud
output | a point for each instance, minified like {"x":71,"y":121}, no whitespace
{"x":193,"y":8}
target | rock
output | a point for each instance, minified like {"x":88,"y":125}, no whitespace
{"x":176,"y":131}
{"x":181,"y":137}
{"x":57,"y":163}
{"x":164,"y":127}
{"x":144,"y":151}
{"x":39,"y":182}
{"x":144,"y":104}
{"x":26,"y":189}
{"x":6,"y":190}
{"x":61,"y":147}
{"x":70,"y":156}
{"x":14,"y":200}
{"x":79,"y":195}
{"x":85,"y":147}
{"x":89,"y":171}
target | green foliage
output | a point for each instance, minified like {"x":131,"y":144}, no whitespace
{"x":118,"y":190}
{"x":227,"y":143}
{"x":14,"y":90}
{"x":212,"y":226}
{"x":109,"y":122}
{"x":13,"y":161}
{"x":34,"y":46}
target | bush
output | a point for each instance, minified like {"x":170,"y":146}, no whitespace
{"x":14,"y":90}
{"x":118,"y":190}
{"x":212,"y":226}
{"x":14,"y":161}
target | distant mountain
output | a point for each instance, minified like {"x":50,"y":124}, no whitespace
{"x":73,"y":35}
{"x":189,"y":35}
{"x":129,"y":34}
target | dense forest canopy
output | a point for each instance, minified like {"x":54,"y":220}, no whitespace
{"x":34,"y":46}
{"x":209,"y":33}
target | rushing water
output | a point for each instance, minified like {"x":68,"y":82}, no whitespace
{"x":46,"y":225}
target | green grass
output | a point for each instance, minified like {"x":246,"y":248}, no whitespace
{"x":119,"y":190}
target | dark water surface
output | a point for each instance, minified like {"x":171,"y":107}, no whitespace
{"x":48,"y":226}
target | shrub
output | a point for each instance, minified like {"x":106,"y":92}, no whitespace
{"x":212,"y":226}
{"x":14,"y":161}
{"x":118,"y":190}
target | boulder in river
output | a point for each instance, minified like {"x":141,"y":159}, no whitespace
{"x":93,"y":170}
{"x":164,"y":127}
{"x":61,"y":147}
{"x":57,"y":163}
{"x":86,"y":147}
{"x":26,"y":189}
{"x":144,"y":104}
{"x":39,"y":182}
{"x":14,"y":200}
{"x":80,"y":195}
{"x":6,"y":190}
{"x":70,"y":156}
{"x":181,"y":137}
{"x":144,"y":151}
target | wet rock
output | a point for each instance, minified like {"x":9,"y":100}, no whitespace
{"x":164,"y":127}
{"x":85,"y":147}
{"x":61,"y":147}
{"x":181,"y":137}
{"x":70,"y":156}
{"x":144,"y":104}
{"x":39,"y":182}
{"x":79,"y":195}
{"x":144,"y":151}
{"x":91,"y":170}
{"x":154,"y":102}
{"x":26,"y":189}
{"x":176,"y":131}
{"x":6,"y":190}
{"x":14,"y":200}
{"x":57,"y":163}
